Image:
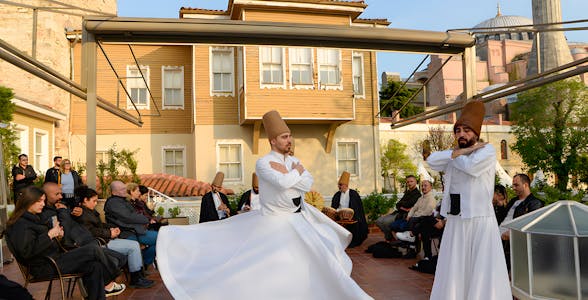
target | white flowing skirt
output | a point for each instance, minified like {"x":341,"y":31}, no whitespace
{"x":254,"y":256}
{"x":471,"y":261}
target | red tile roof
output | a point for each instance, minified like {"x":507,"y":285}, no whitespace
{"x":177,"y":186}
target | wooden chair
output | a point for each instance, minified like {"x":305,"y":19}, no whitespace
{"x":72,"y":279}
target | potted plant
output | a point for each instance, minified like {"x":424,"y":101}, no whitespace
{"x":174,"y":218}
{"x":376,"y":205}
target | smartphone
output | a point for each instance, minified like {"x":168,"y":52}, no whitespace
{"x":54,"y":221}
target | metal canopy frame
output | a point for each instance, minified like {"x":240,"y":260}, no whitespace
{"x":106,"y":30}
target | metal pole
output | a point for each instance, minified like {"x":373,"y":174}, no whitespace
{"x":34,"y":46}
{"x":89,"y":70}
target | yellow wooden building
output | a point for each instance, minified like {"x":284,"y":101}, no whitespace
{"x":202,"y":104}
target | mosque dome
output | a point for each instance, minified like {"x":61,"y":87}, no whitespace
{"x":502,"y":21}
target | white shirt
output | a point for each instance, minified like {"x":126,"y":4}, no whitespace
{"x":471,"y":176}
{"x":344,"y":200}
{"x":217,"y":202}
{"x":510,"y":215}
{"x":279,"y":188}
{"x":254,"y":201}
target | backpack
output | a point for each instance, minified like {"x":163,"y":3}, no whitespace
{"x":384,"y":250}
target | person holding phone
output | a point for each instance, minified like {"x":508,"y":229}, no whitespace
{"x":471,"y":264}
{"x":32,"y":240}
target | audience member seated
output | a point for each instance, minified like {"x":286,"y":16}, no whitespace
{"x":250,"y":199}
{"x":138,"y":197}
{"x":348,"y":198}
{"x":32,"y":240}
{"x":428,"y":228}
{"x":75,"y":235}
{"x":133,"y":225}
{"x":499,"y":202}
{"x":424,"y":207}
{"x":90,"y":218}
{"x":523,"y":203}
{"x":215,"y":205}
{"x":410,"y":197}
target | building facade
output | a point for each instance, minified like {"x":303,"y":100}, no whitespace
{"x":202,"y":104}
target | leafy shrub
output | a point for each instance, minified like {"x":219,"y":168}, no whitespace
{"x":376,"y":205}
{"x":174,"y":212}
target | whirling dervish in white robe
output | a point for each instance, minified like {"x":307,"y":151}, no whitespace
{"x":285,"y":250}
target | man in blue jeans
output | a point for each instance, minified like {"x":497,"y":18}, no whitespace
{"x":132,"y":224}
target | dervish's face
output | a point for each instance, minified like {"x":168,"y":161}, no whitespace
{"x":343,"y":187}
{"x":465,"y":136}
{"x":282,"y":143}
{"x":426,"y":187}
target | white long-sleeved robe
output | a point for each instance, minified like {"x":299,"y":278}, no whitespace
{"x":471,"y":261}
{"x":271,"y":253}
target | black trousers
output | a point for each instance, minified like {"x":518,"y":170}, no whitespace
{"x":88,"y":260}
{"x":426,"y":228}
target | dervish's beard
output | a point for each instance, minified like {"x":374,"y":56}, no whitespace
{"x":465,"y":143}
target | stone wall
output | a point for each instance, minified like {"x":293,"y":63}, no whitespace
{"x":53,"y":50}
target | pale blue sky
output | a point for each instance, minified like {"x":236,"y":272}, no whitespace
{"x":437,"y":15}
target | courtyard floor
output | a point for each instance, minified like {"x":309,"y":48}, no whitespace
{"x":380,"y":277}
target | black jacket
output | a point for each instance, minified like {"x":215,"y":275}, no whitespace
{"x":408,"y":200}
{"x":52,"y":175}
{"x":208,"y":209}
{"x":30,"y":241}
{"x":530,"y":204}
{"x":75,"y":235}
{"x":29,"y":174}
{"x":120,"y":212}
{"x":245,"y":199}
{"x":359,"y":229}
{"x":90,"y":219}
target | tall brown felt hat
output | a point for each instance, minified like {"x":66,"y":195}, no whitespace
{"x":254,"y":181}
{"x":344,"y":179}
{"x":472,"y":116}
{"x":218,"y":179}
{"x":274,"y":125}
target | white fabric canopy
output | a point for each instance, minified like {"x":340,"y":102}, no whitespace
{"x":423,"y":173}
{"x":505,"y":179}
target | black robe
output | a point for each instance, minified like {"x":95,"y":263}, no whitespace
{"x":208,"y":209}
{"x":359,"y":230}
{"x":245,"y":199}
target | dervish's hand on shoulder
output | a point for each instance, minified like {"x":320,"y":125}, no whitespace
{"x":279,"y":167}
{"x":465,"y":151}
{"x":298,"y":167}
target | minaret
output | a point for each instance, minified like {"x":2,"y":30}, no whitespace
{"x":554,"y":50}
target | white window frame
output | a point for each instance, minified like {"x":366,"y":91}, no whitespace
{"x":163,"y":87}
{"x":146,"y":72}
{"x":358,"y":55}
{"x":222,"y":93}
{"x":23,"y":137}
{"x":269,"y":85}
{"x":104,"y":154}
{"x":306,"y":86}
{"x":241,"y":163}
{"x":41,"y":163}
{"x":173,"y":148}
{"x":358,"y":153}
{"x":320,"y":64}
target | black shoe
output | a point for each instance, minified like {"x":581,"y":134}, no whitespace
{"x":141,"y":283}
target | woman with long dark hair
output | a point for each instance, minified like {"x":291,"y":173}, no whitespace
{"x":32,"y":240}
{"x":90,"y":218}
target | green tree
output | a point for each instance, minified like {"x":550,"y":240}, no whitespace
{"x":388,"y":104}
{"x":395,"y":162}
{"x":8,"y":133}
{"x":550,"y":125}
